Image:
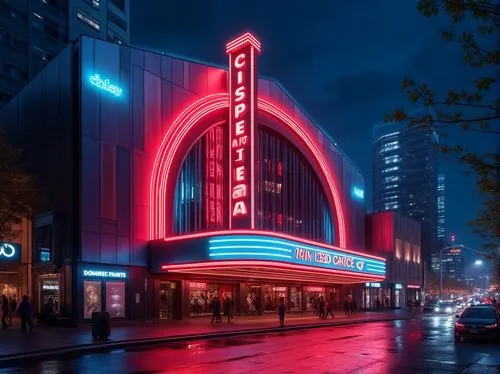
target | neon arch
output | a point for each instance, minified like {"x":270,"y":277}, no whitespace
{"x":160,"y":182}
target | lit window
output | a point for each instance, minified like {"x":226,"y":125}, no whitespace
{"x":387,"y":170}
{"x":93,"y":3}
{"x":89,"y":21}
{"x":391,"y":159}
{"x":391,"y":178}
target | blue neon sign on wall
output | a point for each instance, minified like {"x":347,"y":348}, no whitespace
{"x":264,"y":248}
{"x":10,"y":252}
{"x":105,"y":85}
{"x":358,"y":193}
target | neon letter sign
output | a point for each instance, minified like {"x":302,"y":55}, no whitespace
{"x":242,"y":109}
{"x":105,"y":85}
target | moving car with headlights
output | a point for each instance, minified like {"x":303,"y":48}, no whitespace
{"x":429,"y":306}
{"x":479,"y":321}
{"x":445,"y":307}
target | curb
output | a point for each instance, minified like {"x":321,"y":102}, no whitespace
{"x":105,"y":346}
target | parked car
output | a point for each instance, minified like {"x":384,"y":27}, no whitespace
{"x":445,"y":307}
{"x":479,"y":321}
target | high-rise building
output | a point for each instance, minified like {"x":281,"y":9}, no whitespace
{"x":32,"y":32}
{"x":441,"y":200}
{"x":454,"y":264}
{"x":405,"y":177}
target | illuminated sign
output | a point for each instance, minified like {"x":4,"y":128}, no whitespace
{"x":105,"y":85}
{"x":358,"y":193}
{"x":314,"y":289}
{"x":198,"y":285}
{"x":279,"y":289}
{"x":373,"y":285}
{"x":398,"y":286}
{"x":259,"y":247}
{"x":10,"y":252}
{"x":242,"y":111}
{"x":94,"y":273}
{"x":214,"y":177}
{"x":412,"y":286}
{"x":50,"y":287}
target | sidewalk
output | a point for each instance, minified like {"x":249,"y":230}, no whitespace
{"x":44,"y":342}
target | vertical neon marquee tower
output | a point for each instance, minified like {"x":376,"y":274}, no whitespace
{"x":242,"y":113}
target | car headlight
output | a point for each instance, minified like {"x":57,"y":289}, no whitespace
{"x":436,"y":309}
{"x":448,"y":310}
{"x":492,"y":326}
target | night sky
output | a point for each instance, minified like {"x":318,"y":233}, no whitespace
{"x":342,"y":61}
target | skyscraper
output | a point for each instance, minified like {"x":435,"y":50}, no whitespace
{"x":441,"y":200}
{"x":454,"y":264}
{"x":32,"y":32}
{"x":405,"y":177}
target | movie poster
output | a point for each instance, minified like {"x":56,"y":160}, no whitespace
{"x":115,"y":299}
{"x":92,"y":298}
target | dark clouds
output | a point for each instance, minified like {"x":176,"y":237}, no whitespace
{"x":343,"y":60}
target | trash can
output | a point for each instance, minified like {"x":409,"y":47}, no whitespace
{"x":101,"y":327}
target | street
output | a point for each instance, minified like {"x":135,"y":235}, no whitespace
{"x":419,"y":346}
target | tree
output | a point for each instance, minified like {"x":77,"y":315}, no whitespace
{"x":475,"y":111}
{"x":17,"y":191}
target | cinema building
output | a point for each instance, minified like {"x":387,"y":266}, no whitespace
{"x":170,"y":182}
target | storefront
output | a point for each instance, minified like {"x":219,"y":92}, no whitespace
{"x":399,"y":296}
{"x":376,"y":296}
{"x":13,"y":273}
{"x":201,"y":295}
{"x":103,"y":288}
{"x":413,"y":293}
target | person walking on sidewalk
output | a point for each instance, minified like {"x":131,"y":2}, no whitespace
{"x":281,"y":311}
{"x":329,"y":309}
{"x":347,"y":306}
{"x":354,"y":306}
{"x":227,"y":309}
{"x":25,"y":311}
{"x":215,"y":306}
{"x":5,"y":311}
{"x":13,"y":308}
{"x":321,"y":312}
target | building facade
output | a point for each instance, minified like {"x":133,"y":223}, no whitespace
{"x":397,"y":239}
{"x":177,"y":181}
{"x":454,"y":264}
{"x":405,"y":178}
{"x":441,"y":206}
{"x":15,"y":262}
{"x":32,"y":33}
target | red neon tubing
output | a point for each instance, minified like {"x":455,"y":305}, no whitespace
{"x":188,"y":119}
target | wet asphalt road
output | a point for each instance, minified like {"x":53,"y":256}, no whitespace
{"x":418,"y":346}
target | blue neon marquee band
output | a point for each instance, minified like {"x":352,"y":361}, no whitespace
{"x":258,"y":247}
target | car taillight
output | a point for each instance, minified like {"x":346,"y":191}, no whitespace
{"x":459,"y":325}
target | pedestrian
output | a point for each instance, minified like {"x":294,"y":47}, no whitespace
{"x":329,"y":309}
{"x":5,"y":311}
{"x":215,"y":306}
{"x":410,"y":304}
{"x":25,"y":311}
{"x":227,"y":309}
{"x":13,"y":308}
{"x":377,"y":304}
{"x":347,"y":306}
{"x":387,"y":302}
{"x":281,"y":311}
{"x":321,"y":312}
{"x":354,"y":307}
